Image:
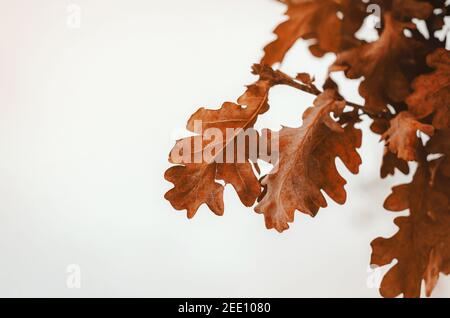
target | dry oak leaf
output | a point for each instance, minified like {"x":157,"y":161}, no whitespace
{"x":436,"y":21}
{"x":318,"y":20}
{"x":412,"y":9}
{"x":385,"y":64}
{"x":432,"y":91}
{"x":440,"y":144}
{"x":401,"y":138}
{"x":407,"y":8}
{"x":306,"y":164}
{"x":194,"y":181}
{"x":422,"y":244}
{"x":379,"y":125}
{"x":392,"y":162}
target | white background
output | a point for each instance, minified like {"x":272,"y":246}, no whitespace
{"x":87,"y":119}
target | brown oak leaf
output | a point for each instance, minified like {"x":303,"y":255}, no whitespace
{"x":401,"y":137}
{"x":201,"y":161}
{"x":440,"y":144}
{"x":412,"y":9}
{"x":407,"y":8}
{"x":383,"y":65}
{"x":392,"y":162}
{"x":432,"y":91}
{"x":422,"y":244}
{"x":306,"y":164}
{"x":194,"y":181}
{"x":436,"y":21}
{"x":318,"y":20}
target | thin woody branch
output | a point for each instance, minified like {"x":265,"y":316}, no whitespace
{"x":267,"y":73}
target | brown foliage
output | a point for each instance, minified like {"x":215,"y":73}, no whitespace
{"x":406,"y":86}
{"x":432,"y":91}
{"x":421,"y":246}
{"x":316,"y":20}
{"x":401,"y":137}
{"x":386,"y":65}
{"x":306,"y":164}
{"x":195,"y":182}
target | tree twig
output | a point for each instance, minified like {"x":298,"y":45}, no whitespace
{"x":267,"y":73}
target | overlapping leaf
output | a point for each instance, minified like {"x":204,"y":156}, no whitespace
{"x":419,"y":9}
{"x":195,"y":180}
{"x":432,"y":91}
{"x":439,"y":144}
{"x":383,"y":64}
{"x":401,"y":138}
{"x":422,"y":244}
{"x":318,"y":20}
{"x":306,"y":164}
{"x":195,"y":175}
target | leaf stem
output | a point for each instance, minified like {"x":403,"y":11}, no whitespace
{"x":267,"y":73}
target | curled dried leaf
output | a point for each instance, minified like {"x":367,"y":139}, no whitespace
{"x":403,"y":9}
{"x":439,"y":144}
